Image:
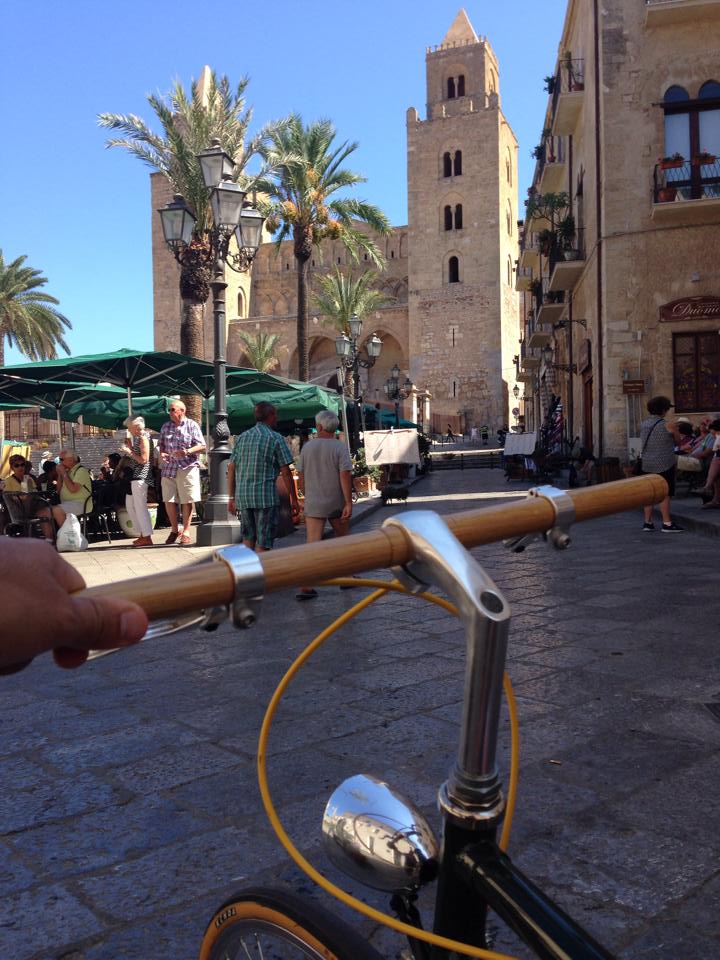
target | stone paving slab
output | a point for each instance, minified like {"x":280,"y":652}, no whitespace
{"x":129,"y":807}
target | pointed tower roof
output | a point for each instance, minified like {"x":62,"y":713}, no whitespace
{"x":461,"y":31}
{"x":204,"y":84}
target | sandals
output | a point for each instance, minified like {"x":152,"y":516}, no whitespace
{"x":711,"y":505}
{"x":306,"y":594}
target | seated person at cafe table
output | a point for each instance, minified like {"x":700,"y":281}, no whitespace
{"x":19,"y":482}
{"x":74,"y":484}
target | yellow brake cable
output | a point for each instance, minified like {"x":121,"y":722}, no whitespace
{"x":381,"y":588}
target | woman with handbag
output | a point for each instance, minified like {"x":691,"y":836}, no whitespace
{"x":658,"y":439}
{"x":140,"y":452}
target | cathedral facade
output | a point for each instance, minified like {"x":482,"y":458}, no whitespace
{"x":451,"y":321}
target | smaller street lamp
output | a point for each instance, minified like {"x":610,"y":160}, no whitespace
{"x":397,"y":392}
{"x":348,"y":352}
{"x":516,"y":391}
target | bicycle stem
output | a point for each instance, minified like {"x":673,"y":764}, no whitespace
{"x":471,"y":797}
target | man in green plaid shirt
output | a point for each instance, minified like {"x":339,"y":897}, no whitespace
{"x":259,"y":457}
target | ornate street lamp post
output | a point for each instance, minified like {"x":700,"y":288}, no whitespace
{"x":352,"y":360}
{"x":231,"y":218}
{"x":397,"y":392}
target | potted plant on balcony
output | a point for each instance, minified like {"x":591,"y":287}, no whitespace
{"x":574,"y":73}
{"x":546,"y":241}
{"x":549,"y":84}
{"x":567,"y":236}
{"x":666,"y":194}
{"x":538,"y":152}
{"x":703,"y":158}
{"x":536,"y":289}
{"x":672,"y":162}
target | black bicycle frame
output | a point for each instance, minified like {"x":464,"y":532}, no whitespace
{"x":476,"y":875}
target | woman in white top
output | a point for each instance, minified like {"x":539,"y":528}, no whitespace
{"x":136,"y":501}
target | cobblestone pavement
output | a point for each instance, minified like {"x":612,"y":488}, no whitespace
{"x":129,"y":807}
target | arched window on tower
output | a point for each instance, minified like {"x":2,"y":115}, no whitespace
{"x":461,"y":85}
{"x":448,"y":217}
{"x":451,"y":88}
{"x":458,"y":216}
{"x":241,"y":311}
{"x":457,"y":163}
{"x":453,"y":270}
{"x":508,"y":167}
{"x":509,"y":271}
{"x":447,"y":165}
{"x":509,"y":219}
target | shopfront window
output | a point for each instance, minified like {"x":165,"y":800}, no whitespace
{"x":696,"y":371}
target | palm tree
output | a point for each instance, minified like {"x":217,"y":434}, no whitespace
{"x":341,"y":295}
{"x":28,"y":318}
{"x":308,"y":172}
{"x":260,"y":350}
{"x":189,"y":125}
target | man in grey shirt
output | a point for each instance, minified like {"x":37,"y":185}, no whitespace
{"x":325,"y":477}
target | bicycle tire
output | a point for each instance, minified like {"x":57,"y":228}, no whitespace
{"x":273,"y":916}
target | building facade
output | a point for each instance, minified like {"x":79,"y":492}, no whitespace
{"x":618,"y":266}
{"x":451,"y":320}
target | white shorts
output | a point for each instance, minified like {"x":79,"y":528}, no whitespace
{"x":184,"y":488}
{"x":72,"y":506}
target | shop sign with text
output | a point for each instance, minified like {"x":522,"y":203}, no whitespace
{"x":690,"y":308}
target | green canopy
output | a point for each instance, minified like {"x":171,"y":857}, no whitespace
{"x":18,"y":394}
{"x":294,"y":403}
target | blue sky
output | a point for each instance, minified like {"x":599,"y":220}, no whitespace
{"x":82,"y":213}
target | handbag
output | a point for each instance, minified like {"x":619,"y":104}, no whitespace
{"x":636,"y":465}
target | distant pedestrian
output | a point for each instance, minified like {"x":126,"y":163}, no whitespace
{"x":259,"y":457}
{"x":181,"y":441}
{"x":657,"y":442}
{"x":325,"y":471}
{"x":450,"y":434}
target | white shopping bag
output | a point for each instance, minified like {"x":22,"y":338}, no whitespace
{"x":70,"y":538}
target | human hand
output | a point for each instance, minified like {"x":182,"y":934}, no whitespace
{"x":179,"y":454}
{"x":231,"y":506}
{"x":29,"y":568}
{"x":126,"y":449}
{"x":347,"y":512}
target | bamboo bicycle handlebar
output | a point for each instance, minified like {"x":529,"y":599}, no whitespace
{"x":207,"y":585}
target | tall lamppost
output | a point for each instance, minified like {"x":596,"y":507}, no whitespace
{"x":231,"y":218}
{"x":352,"y":360}
{"x":397,"y":392}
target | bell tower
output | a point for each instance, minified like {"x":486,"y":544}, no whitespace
{"x":462,"y":240}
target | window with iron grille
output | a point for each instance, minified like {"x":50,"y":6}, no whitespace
{"x":696,"y":371}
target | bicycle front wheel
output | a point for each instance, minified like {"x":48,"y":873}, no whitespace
{"x":274,"y":924}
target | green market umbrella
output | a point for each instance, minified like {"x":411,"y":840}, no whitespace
{"x":58,"y":394}
{"x":300,"y":402}
{"x":143,"y":372}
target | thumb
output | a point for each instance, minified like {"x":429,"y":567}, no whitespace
{"x":98,"y":623}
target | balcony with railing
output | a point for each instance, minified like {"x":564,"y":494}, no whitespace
{"x":523,"y":279}
{"x":553,"y":169}
{"x":568,"y":263}
{"x":661,"y":12}
{"x":528,"y":361}
{"x":536,"y":336}
{"x":552,"y":304}
{"x":686,"y":191}
{"x":568,"y":95}
{"x":529,"y":249}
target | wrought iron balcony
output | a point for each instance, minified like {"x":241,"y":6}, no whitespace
{"x":537,"y":336}
{"x":553,"y":166}
{"x":553,"y":305}
{"x":568,"y":95}
{"x":523,"y":278}
{"x":529,"y":250}
{"x":660,"y":12}
{"x":687,"y":190}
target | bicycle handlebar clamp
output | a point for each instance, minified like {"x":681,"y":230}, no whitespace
{"x":559,"y":533}
{"x":249,"y":577}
